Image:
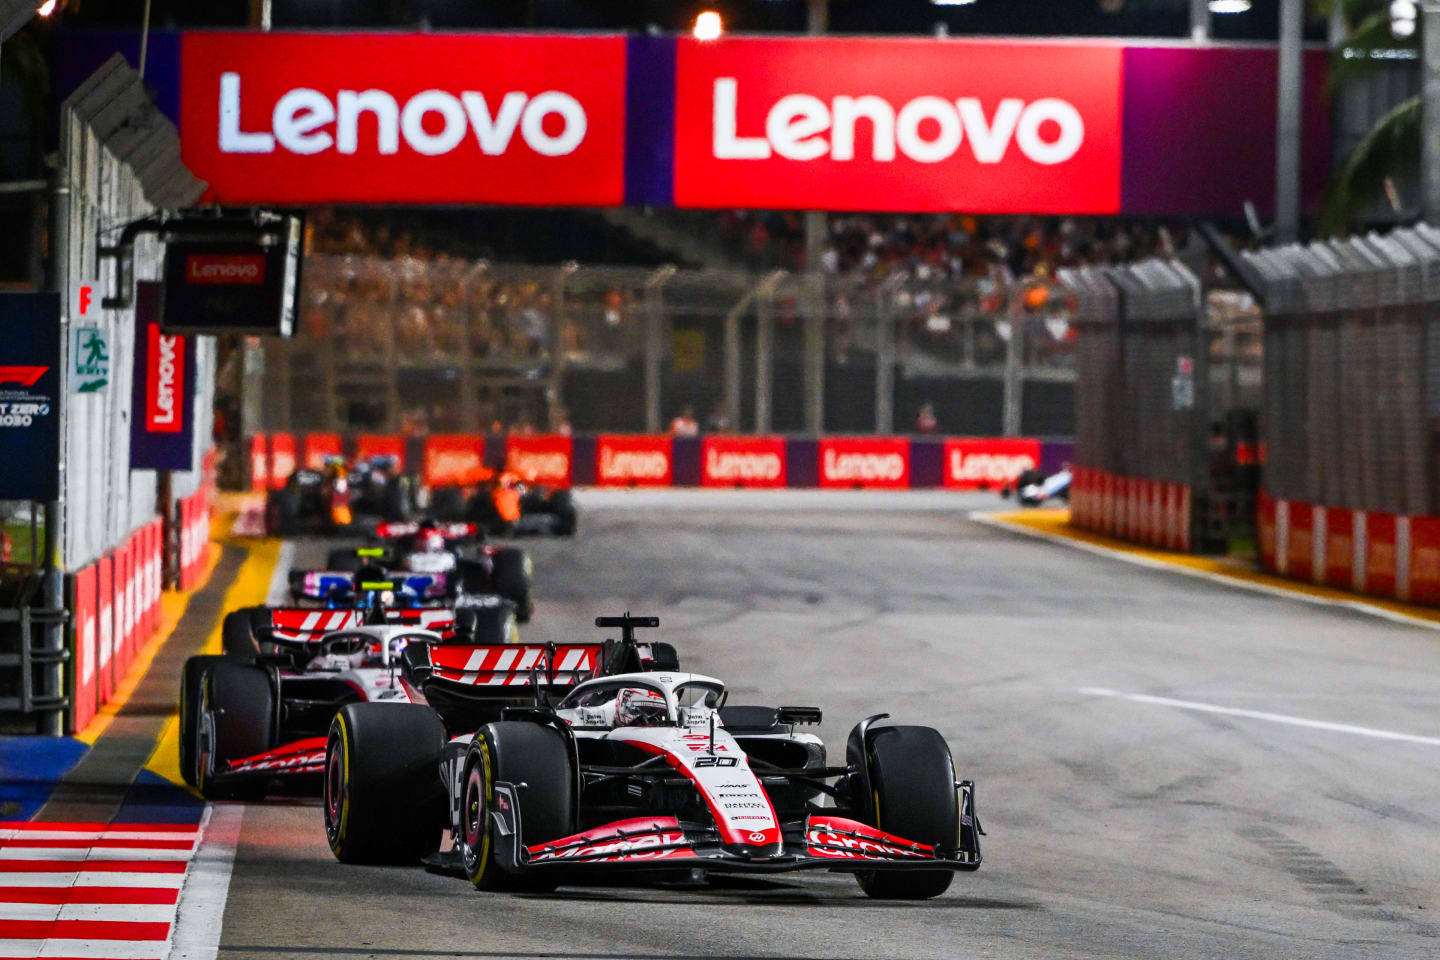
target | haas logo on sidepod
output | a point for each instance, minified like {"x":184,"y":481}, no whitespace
{"x":306,"y":121}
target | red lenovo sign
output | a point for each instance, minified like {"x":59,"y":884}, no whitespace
{"x":865,"y":462}
{"x":742,"y":461}
{"x":376,"y":118}
{"x":454,"y":459}
{"x":624,"y":461}
{"x":988,"y":463}
{"x":962,"y":125}
{"x":540,"y":459}
{"x":165,"y":382}
{"x":246,"y":269}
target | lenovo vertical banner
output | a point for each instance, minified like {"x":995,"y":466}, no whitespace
{"x":162,"y":421}
{"x":30,"y":396}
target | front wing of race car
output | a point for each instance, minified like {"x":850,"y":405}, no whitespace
{"x":819,"y":842}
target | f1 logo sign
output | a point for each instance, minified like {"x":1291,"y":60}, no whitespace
{"x":25,"y":376}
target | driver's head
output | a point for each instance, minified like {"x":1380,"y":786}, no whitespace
{"x":429,"y":540}
{"x":640,"y":707}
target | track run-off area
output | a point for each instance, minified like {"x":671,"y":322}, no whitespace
{"x":1166,"y":766}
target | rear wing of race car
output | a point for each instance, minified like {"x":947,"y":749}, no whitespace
{"x":450,"y":531}
{"x":471,"y":669}
{"x":307,"y":625}
{"x":321,"y":584}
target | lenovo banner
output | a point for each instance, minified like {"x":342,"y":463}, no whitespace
{"x":162,"y":423}
{"x":540,"y":459}
{"x":632,"y":461}
{"x":882,"y":462}
{"x":417,"y":118}
{"x":982,"y":463}
{"x":30,"y":396}
{"x":847,"y":123}
{"x":454,"y":459}
{"x":742,"y":461}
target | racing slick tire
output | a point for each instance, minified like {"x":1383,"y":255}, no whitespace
{"x":912,"y":779}
{"x":240,"y":701}
{"x":282,"y":512}
{"x":383,"y":798}
{"x":192,"y":680}
{"x":510,"y":575}
{"x":396,"y":500}
{"x":448,"y":504}
{"x":567,"y":518}
{"x":516,"y":752}
{"x":343,"y":560}
{"x":236,"y":637}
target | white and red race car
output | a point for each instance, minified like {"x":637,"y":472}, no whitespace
{"x":644,"y":769}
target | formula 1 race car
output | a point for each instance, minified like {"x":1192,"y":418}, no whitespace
{"x":647,"y":770}
{"x":262,"y":709}
{"x":448,"y":554}
{"x":505,"y":504}
{"x":1033,"y":487}
{"x":331,"y":499}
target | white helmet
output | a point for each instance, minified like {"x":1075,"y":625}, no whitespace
{"x":640,"y":707}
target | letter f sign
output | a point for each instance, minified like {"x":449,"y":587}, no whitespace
{"x":85,"y":293}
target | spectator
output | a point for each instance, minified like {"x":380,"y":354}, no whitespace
{"x":685,"y":425}
{"x":925,"y":421}
{"x":719,"y":421}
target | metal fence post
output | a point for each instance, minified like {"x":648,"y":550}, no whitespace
{"x":813,"y":364}
{"x":555,"y":390}
{"x":884,"y":362}
{"x":654,"y":345}
{"x":764,"y":359}
{"x":1010,"y":407}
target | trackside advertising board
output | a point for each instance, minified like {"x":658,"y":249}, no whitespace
{"x":994,"y":125}
{"x":988,"y":463}
{"x":871,"y":462}
{"x":742,"y":461}
{"x":393,"y":118}
{"x":162,"y":425}
{"x":30,"y":396}
{"x":835,"y":123}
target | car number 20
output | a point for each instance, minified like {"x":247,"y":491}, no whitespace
{"x":716,"y":761}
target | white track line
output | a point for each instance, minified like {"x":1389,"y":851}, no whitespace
{"x":195,"y":934}
{"x":1357,"y":606}
{"x":1263,"y":715}
{"x":280,"y":578}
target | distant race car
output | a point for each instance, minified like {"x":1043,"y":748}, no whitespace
{"x":505,"y":504}
{"x":642,"y":770}
{"x":263,"y":708}
{"x":332,"y":499}
{"x":449,"y":554}
{"x":1033,"y":487}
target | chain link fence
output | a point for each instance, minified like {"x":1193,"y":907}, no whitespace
{"x":1352,"y":371}
{"x":446,"y":344}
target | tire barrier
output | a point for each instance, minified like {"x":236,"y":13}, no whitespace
{"x":1394,"y":556}
{"x":662,"y":460}
{"x":1151,"y":512}
{"x":115,"y":601}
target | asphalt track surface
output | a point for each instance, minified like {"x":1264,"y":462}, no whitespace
{"x":1117,"y":827}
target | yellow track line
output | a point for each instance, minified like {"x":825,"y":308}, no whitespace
{"x":251,"y":588}
{"x":1054,"y":524}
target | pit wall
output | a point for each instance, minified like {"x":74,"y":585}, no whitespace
{"x":115,"y":601}
{"x":1150,"y":512}
{"x":1381,"y":554}
{"x":626,"y":460}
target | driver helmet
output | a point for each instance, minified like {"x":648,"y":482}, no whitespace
{"x":640,"y":707}
{"x":429,"y":540}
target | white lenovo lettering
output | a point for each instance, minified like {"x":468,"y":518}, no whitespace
{"x":992,"y":467}
{"x":431,"y":123}
{"x":633,"y":464}
{"x":165,"y":382}
{"x":927,"y":129}
{"x":742,"y":466}
{"x":863,"y":466}
{"x":533,"y":464}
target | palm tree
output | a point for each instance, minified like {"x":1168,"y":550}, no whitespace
{"x":1394,"y":141}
